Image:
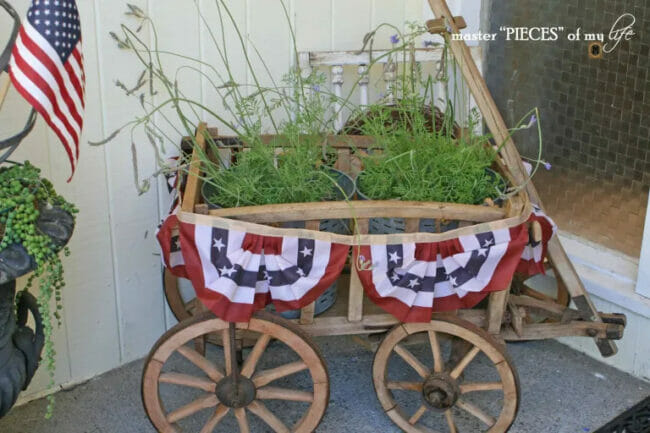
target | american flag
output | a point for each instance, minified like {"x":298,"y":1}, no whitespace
{"x":47,"y":69}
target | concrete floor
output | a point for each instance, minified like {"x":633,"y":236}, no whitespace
{"x":562,"y":391}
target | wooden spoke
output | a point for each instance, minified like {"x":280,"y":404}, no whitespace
{"x":188,"y":380}
{"x":480,"y":386}
{"x":417,"y":415}
{"x":275,"y":393}
{"x":469,"y":356}
{"x":476,"y":411}
{"x":450,"y":421}
{"x":411,"y":360}
{"x":251,"y":362}
{"x":225,"y":338}
{"x":438,"y":363}
{"x":205,"y":402}
{"x":405,"y":386}
{"x":215,"y":419}
{"x":267,"y":376}
{"x":267,"y":416}
{"x":240,"y":414}
{"x":199,"y":345}
{"x":200,"y":361}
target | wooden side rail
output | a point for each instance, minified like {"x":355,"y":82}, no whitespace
{"x":361,"y":209}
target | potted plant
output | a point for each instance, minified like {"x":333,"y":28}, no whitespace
{"x":35,"y":225}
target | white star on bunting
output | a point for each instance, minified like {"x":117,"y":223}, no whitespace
{"x":218,"y":244}
{"x":227,"y":271}
{"x":414,"y":282}
{"x":394,"y":257}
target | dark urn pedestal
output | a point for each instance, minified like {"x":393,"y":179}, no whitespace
{"x":21,"y":346}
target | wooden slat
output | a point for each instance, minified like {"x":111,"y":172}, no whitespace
{"x":405,"y":386}
{"x":476,"y":411}
{"x":307,"y":312}
{"x":343,"y":160}
{"x":240,"y":414}
{"x":439,"y":26}
{"x":256,"y":353}
{"x":267,"y":376}
{"x":496,"y":309}
{"x":200,"y":361}
{"x":269,"y":418}
{"x":187,"y":380}
{"x":193,"y":187}
{"x":577,"y":328}
{"x":204,"y":402}
{"x":466,"y":387}
{"x":218,"y":415}
{"x":372,"y":323}
{"x":331,"y":58}
{"x":417,"y":415}
{"x":355,"y":300}
{"x":411,"y":225}
{"x":361,"y":209}
{"x":411,"y":360}
{"x":463,"y":363}
{"x":276,"y":393}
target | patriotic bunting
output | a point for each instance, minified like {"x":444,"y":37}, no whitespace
{"x":532,"y":259}
{"x":234,"y":272}
{"x":237,"y":269}
{"x":411,"y":280}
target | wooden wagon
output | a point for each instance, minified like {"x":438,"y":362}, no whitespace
{"x":235,"y":378}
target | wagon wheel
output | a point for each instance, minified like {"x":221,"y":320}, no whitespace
{"x":227,"y":392}
{"x":440,"y":394}
{"x":180,"y":308}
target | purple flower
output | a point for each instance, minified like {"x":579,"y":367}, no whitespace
{"x":532,"y":121}
{"x":448,"y":28}
{"x":315,"y":88}
{"x":547,"y":165}
{"x":394,"y":39}
{"x":428,"y":44}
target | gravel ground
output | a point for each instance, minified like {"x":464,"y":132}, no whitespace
{"x":562,"y":391}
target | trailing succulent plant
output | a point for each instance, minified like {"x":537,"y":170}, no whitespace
{"x":35,"y":225}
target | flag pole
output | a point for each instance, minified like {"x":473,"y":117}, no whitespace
{"x":4,"y":90}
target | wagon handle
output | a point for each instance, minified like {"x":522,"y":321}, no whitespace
{"x":563,"y":267}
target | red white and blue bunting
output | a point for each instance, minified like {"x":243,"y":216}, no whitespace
{"x":237,"y":268}
{"x":412,"y":280}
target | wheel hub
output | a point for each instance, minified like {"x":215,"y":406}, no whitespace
{"x":440,"y":391}
{"x":236,"y":393}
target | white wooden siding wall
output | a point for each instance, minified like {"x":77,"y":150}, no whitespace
{"x":114,"y":307}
